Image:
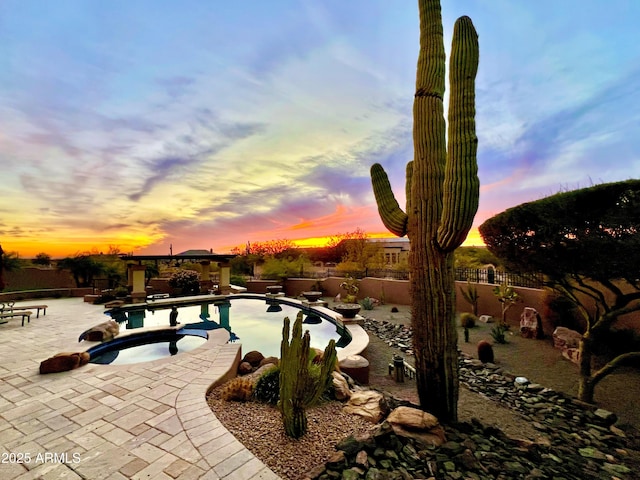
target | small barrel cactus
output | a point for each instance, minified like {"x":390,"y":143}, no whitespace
{"x":238,"y":389}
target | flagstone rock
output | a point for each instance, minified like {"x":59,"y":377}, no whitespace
{"x":417,"y":425}
{"x":340,"y":386}
{"x":368,"y":404}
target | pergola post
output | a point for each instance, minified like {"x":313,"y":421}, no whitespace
{"x":137,"y":282}
{"x":205,"y":280}
{"x":224,"y":285}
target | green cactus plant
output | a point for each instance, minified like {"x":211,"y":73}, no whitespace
{"x":442,"y":191}
{"x":299,"y":387}
{"x":471,"y":296}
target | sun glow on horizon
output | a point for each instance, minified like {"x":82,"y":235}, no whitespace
{"x":63,"y":246}
{"x":69,"y":246}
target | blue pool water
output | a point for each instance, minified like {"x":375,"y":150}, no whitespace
{"x":254,"y":323}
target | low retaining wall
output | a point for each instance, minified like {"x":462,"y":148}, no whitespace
{"x":397,"y":292}
{"x":44,"y":293}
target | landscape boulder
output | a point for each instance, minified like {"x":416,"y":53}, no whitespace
{"x":531,"y":323}
{"x":418,"y":425}
{"x":244,"y":368}
{"x":568,"y":341}
{"x":63,"y":362}
{"x":369,"y":404}
{"x":254,"y":358}
{"x":269,"y":361}
{"x":101,"y":332}
{"x":340,"y":386}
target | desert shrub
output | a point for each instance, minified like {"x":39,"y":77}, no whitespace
{"x":121,"y":292}
{"x":283,"y":268}
{"x":267,"y":387}
{"x":317,"y":286}
{"x":468,"y":320}
{"x":350,"y":285}
{"x":238,"y":280}
{"x":239,"y":389}
{"x":471,"y":296}
{"x":498,"y":333}
{"x":368,"y":303}
{"x":187,"y":280}
{"x":560,"y":311}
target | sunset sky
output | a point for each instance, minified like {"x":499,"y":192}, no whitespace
{"x":204,"y":124}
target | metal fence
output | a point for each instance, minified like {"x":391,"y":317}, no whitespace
{"x":491,"y":275}
{"x":474,"y":275}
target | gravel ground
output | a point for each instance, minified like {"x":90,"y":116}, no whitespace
{"x":258,"y":427}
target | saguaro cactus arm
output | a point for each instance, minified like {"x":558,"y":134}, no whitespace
{"x":461,"y":183}
{"x":390,"y":212}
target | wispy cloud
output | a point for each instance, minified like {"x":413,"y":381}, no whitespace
{"x":192,"y":124}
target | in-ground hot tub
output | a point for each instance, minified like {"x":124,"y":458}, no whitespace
{"x":146,"y":346}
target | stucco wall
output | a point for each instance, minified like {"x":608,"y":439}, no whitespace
{"x":31,"y":278}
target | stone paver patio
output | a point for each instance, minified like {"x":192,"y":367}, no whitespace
{"x":141,"y":421}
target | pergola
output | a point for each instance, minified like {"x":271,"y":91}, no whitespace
{"x":135,"y":271}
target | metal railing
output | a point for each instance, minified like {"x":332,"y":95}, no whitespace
{"x":493,"y":276}
{"x":473,"y":275}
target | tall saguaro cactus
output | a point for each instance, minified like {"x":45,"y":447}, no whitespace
{"x":442,"y":199}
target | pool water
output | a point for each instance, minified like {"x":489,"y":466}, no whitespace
{"x":144,"y":349}
{"x":254,"y":323}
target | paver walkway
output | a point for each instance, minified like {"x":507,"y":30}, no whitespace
{"x":141,"y":421}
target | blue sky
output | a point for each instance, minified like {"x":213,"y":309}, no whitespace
{"x":206,"y":124}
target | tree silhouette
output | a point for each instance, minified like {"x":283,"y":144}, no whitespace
{"x":587,"y":243}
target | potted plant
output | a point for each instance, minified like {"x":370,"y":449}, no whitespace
{"x":350,"y":285}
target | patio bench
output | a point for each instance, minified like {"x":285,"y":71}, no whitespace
{"x":24,"y":314}
{"x":21,"y":308}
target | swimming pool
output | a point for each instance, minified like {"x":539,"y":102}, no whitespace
{"x":254,"y":321}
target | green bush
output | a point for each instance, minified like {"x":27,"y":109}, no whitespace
{"x":282,"y":268}
{"x":121,"y":292}
{"x":367,"y":303}
{"x":187,"y":280}
{"x":498,"y":333}
{"x":267,"y":387}
{"x":468,"y":320}
{"x":238,"y":280}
